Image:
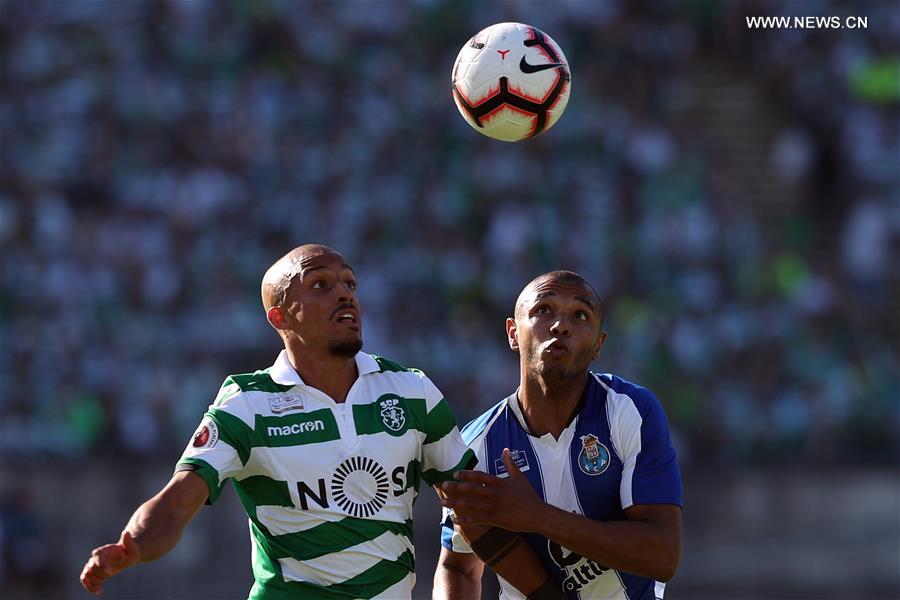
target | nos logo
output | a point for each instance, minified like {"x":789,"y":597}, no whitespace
{"x":359,"y":487}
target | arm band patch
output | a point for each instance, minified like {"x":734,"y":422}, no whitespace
{"x":495,"y":545}
{"x":547,"y":591}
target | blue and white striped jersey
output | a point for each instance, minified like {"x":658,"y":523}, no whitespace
{"x":616,"y":453}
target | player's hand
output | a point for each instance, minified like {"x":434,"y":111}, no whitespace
{"x":108,"y":560}
{"x":481,"y":499}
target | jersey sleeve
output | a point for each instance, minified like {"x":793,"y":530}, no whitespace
{"x":219,"y":447}
{"x":443,"y":450}
{"x":451,"y":538}
{"x":650,"y":473}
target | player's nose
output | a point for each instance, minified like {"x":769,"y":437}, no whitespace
{"x":560,"y":327}
{"x":344,"y":293}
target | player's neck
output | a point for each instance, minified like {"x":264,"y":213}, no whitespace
{"x":549,"y":405}
{"x":332,"y":375}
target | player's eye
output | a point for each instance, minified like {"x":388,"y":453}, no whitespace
{"x":319,"y":284}
{"x":543,"y":309}
{"x":581,"y":315}
{"x":352,"y":285}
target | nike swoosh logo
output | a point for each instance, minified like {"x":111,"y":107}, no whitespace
{"x":526,"y":68}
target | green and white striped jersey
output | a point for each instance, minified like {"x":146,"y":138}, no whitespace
{"x":328,"y":487}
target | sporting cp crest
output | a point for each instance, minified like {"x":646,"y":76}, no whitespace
{"x":594,"y":457}
{"x":392,"y":414}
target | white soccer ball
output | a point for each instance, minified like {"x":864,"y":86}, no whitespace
{"x":511,"y":81}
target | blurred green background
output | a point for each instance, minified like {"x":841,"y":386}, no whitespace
{"x":733,"y":192}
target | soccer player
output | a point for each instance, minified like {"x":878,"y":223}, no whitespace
{"x":579,"y":462}
{"x":326,"y":449}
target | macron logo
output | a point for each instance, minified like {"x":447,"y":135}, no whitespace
{"x":296,"y":428}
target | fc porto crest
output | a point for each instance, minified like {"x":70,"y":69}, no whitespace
{"x":392,"y":414}
{"x":594,"y":457}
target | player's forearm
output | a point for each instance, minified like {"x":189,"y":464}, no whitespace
{"x":454,"y":584}
{"x":510,"y":556}
{"x":155,"y":529}
{"x":157,"y":524}
{"x":637,"y":547}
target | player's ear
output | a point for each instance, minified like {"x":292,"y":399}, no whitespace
{"x":598,"y":344}
{"x":276,"y":317}
{"x":511,"y":334}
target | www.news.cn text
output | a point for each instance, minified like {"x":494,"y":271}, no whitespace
{"x":811,"y":22}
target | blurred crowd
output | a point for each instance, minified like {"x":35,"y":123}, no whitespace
{"x":158,"y":156}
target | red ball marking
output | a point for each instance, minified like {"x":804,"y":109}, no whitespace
{"x":503,"y":54}
{"x":521,"y":94}
{"x":493,"y":91}
{"x":562,"y":92}
{"x":486,"y":119}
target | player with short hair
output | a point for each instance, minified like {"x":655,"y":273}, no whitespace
{"x":326,"y":449}
{"x":581,"y":463}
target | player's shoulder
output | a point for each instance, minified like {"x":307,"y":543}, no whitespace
{"x":257,"y":381}
{"x":386,"y":375}
{"x":385,"y":365}
{"x":238,"y":387}
{"x":480,"y":425}
{"x":621,"y":391}
{"x":385,"y":371}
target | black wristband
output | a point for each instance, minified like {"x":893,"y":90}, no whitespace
{"x":547,"y":591}
{"x":495,"y":545}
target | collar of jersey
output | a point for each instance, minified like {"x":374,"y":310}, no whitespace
{"x":283,"y":373}
{"x":514,"y":405}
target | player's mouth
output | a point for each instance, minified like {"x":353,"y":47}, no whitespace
{"x":556,"y":347}
{"x":347,"y":316}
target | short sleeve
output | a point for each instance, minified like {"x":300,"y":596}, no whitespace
{"x":451,"y":538}
{"x":443,"y":450}
{"x":218,"y":448}
{"x":640,"y":432}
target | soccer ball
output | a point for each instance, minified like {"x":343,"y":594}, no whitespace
{"x":511,"y":81}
